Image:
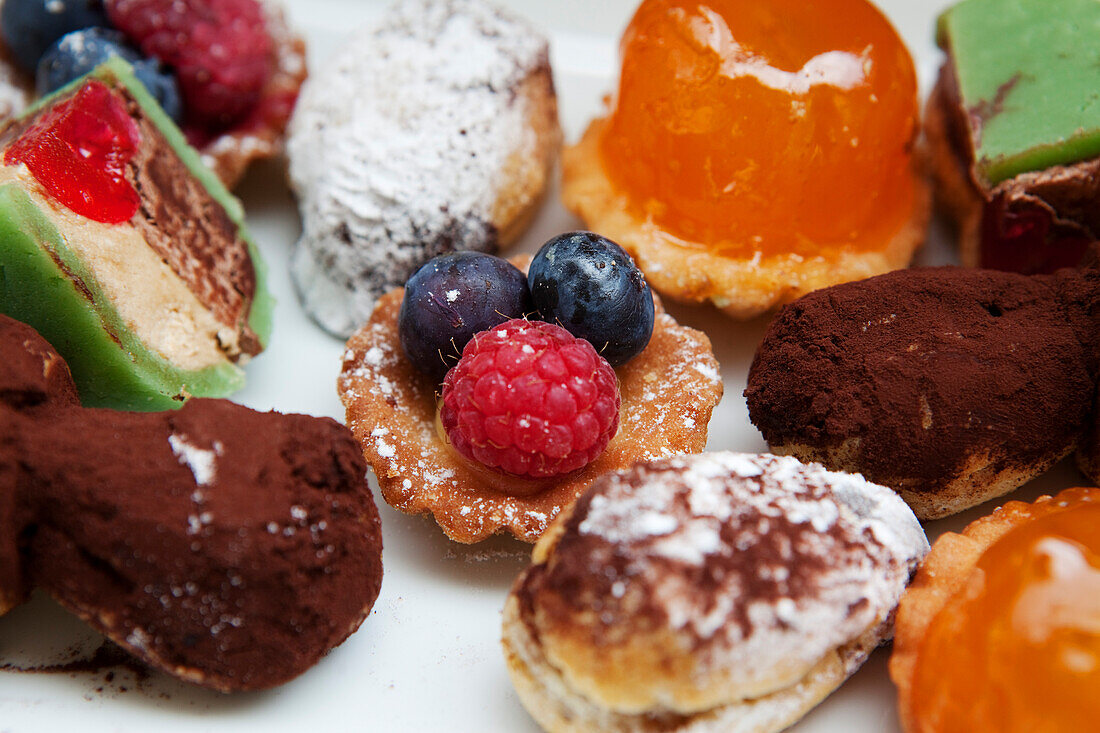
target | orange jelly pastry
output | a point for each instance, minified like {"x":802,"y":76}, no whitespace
{"x":1015,"y":645}
{"x":756,"y":150}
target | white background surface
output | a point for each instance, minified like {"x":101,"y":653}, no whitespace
{"x":428,"y":657}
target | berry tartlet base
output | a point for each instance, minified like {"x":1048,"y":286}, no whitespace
{"x":687,"y":271}
{"x":259,"y":135}
{"x":668,"y":392}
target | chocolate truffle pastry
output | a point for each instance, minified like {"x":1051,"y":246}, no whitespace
{"x":399,"y":154}
{"x":951,"y":386}
{"x":260,"y":135}
{"x":164,"y":300}
{"x":1013,"y":133}
{"x":1050,"y":591}
{"x":227,"y":547}
{"x":668,"y":392}
{"x":713,"y":592}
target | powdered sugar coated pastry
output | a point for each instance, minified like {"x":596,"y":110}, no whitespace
{"x":720,"y":591}
{"x":435,"y":131}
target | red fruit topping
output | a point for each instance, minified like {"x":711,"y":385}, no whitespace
{"x":78,"y":152}
{"x":220,"y":50}
{"x":530,"y":399}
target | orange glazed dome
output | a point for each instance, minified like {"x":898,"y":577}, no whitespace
{"x":1018,"y":647}
{"x":765,"y":127}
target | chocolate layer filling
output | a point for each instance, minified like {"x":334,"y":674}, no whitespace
{"x":186,"y":227}
{"x":1036,"y":222}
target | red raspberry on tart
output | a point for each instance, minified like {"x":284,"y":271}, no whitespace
{"x":530,"y":399}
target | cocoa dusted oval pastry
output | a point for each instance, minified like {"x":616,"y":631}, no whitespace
{"x":951,"y":386}
{"x":227,"y":547}
{"x":434,"y":131}
{"x":712,"y":592}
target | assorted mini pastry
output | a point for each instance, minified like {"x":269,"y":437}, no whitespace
{"x":1014,"y":131}
{"x":227,"y":71}
{"x":998,"y":631}
{"x":951,"y":386}
{"x":227,"y":547}
{"x":756,"y":151}
{"x":127,"y":253}
{"x":717,"y":592}
{"x":532,"y":411}
{"x":398,"y":153}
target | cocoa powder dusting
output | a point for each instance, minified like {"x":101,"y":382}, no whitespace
{"x":916,"y":372}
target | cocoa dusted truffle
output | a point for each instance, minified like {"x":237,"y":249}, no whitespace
{"x":227,"y":547}
{"x":952,"y":386}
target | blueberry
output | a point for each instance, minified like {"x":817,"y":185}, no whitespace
{"x":29,"y":27}
{"x":162,"y":84}
{"x":452,"y":297}
{"x":592,"y":287}
{"x":77,"y":53}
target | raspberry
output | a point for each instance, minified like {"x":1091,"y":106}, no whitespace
{"x":530,"y":399}
{"x":220,"y":49}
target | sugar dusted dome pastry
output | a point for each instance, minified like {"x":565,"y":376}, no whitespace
{"x":712,"y":592}
{"x":398,"y":152}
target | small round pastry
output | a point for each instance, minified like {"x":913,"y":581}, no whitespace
{"x":667,"y":394}
{"x":998,"y":631}
{"x":399,"y":153}
{"x":713,"y":592}
{"x":755,"y":151}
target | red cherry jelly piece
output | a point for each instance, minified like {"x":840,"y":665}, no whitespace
{"x":78,"y":152}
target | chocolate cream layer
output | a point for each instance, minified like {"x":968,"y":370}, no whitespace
{"x":192,"y":238}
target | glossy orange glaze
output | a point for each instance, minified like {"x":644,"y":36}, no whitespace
{"x":765,"y":126}
{"x":1018,"y":648}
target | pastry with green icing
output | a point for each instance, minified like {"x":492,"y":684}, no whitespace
{"x":124,"y":250}
{"x":1014,"y":130}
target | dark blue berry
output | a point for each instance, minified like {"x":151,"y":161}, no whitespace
{"x":162,"y":84}
{"x":591,"y":286}
{"x":451,"y":298}
{"x":29,"y":27}
{"x":77,"y":53}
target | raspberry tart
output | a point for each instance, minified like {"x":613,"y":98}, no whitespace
{"x":227,"y":71}
{"x":530,"y":413}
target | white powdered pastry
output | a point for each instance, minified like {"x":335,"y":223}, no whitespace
{"x":14,"y":90}
{"x":807,"y":559}
{"x":397,"y":149}
{"x":709,"y":593}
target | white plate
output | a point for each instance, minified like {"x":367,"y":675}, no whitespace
{"x":428,"y":658}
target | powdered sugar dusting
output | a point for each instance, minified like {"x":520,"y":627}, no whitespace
{"x":201,"y":461}
{"x":397,"y":147}
{"x":666,"y":405}
{"x":800,"y":559}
